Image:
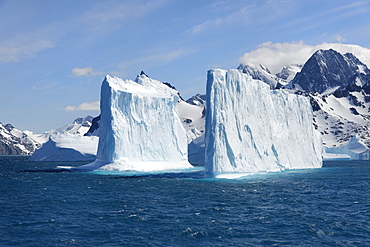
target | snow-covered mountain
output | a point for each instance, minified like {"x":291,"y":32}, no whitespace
{"x":328,"y":70}
{"x":288,"y":73}
{"x":80,"y":126}
{"x":339,"y":119}
{"x":338,"y":87}
{"x":17,"y":142}
{"x":262,"y":73}
{"x":198,"y":99}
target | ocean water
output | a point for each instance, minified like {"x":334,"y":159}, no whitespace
{"x":41,"y":206}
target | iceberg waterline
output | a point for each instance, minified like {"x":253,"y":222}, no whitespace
{"x":250,"y":128}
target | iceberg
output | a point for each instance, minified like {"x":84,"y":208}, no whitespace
{"x":67,"y":147}
{"x":355,"y":149}
{"x":140,"y":129}
{"x":252,"y":129}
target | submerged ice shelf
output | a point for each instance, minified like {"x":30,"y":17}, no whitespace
{"x":139,"y":127}
{"x":250,"y":128}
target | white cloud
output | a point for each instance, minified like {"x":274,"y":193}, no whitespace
{"x":22,"y":46}
{"x":87,"y":71}
{"x":277,"y":55}
{"x":85,"y":106}
{"x":82,"y":71}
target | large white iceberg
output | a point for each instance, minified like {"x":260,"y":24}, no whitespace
{"x":251,"y":129}
{"x":140,"y":129}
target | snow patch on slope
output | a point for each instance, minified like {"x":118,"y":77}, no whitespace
{"x":192,"y":119}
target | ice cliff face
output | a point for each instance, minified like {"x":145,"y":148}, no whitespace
{"x":139,"y":127}
{"x":250,"y":128}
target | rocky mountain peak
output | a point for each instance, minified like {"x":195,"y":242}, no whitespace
{"x":9,"y":127}
{"x":327,"y":69}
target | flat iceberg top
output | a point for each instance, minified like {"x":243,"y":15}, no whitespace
{"x":143,"y":85}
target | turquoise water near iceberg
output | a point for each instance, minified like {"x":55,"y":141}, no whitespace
{"x":41,"y":206}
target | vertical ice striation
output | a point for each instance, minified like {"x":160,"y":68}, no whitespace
{"x":139,"y":127}
{"x":250,"y":128}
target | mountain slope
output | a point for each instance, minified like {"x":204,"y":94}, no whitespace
{"x":338,"y":87}
{"x":14,"y":144}
{"x":262,"y":73}
{"x":18,"y":142}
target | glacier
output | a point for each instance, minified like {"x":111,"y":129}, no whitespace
{"x":140,"y":129}
{"x":252,"y":129}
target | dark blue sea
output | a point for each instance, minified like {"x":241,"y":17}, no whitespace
{"x":43,"y":206}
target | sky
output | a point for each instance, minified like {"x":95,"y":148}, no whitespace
{"x":55,"y":54}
